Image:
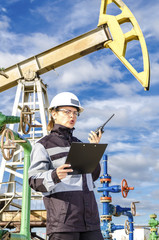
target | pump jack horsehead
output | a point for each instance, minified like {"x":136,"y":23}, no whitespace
{"x":108,"y":34}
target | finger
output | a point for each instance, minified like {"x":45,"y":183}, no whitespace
{"x":92,"y":140}
{"x":63,"y":173}
{"x":99,"y":133}
{"x":95,"y":134}
{"x":92,"y":136}
{"x":64,"y":166}
{"x":66,"y":170}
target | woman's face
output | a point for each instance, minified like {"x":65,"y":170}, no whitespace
{"x":65,"y":116}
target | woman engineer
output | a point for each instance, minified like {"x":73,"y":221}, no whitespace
{"x":72,"y":212}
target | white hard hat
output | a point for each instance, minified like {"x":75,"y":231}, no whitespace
{"x":65,"y":99}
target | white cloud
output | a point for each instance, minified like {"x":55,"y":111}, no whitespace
{"x":8,"y":59}
{"x":154,"y":68}
{"x":4,"y":23}
{"x":131,"y":135}
{"x":126,"y":109}
{"x":3,"y":9}
{"x":89,"y":72}
{"x":149,"y":24}
{"x":6,"y":103}
{"x":82,"y":14}
{"x":75,"y":15}
{"x":17,"y":47}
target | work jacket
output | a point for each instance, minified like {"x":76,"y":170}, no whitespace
{"x":70,"y":202}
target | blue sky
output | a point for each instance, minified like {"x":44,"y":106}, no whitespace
{"x":102,"y":83}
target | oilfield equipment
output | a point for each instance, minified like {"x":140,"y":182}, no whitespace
{"x":8,"y":140}
{"x":153,"y":223}
{"x":109,"y":210}
{"x":30,"y":108}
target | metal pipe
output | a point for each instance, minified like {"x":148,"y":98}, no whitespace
{"x":131,"y":223}
{"x":25,"y":219}
{"x":26,"y":198}
{"x":120,"y":210}
{"x":113,"y":189}
{"x":8,"y":119}
{"x":104,"y":227}
{"x":107,"y":226}
{"x":116,"y":227}
{"x":153,"y":223}
{"x":105,"y":186}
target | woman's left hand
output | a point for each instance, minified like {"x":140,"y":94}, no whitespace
{"x":93,"y":138}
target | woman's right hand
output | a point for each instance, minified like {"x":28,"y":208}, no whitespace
{"x":63,"y":170}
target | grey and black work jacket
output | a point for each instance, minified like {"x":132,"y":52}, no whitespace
{"x":70,"y":202}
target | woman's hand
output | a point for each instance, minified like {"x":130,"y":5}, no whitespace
{"x":93,"y":138}
{"x":63,"y":170}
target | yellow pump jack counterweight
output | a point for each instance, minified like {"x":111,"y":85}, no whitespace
{"x":119,"y":43}
{"x":108,"y":34}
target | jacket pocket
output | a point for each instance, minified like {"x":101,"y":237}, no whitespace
{"x":56,"y":211}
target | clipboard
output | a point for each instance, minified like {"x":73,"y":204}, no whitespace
{"x":84,"y":157}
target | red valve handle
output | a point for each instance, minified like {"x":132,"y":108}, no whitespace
{"x":124,"y":188}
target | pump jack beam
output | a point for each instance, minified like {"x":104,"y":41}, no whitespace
{"x":56,"y":57}
{"x":109,"y":34}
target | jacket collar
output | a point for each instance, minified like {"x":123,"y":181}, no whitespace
{"x":62,"y":130}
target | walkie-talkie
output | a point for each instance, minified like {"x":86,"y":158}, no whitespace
{"x":102,"y":127}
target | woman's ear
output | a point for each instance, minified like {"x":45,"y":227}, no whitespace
{"x":53,"y":113}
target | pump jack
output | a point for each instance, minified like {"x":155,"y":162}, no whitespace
{"x":108,"y":34}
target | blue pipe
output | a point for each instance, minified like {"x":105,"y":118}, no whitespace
{"x":120,"y":210}
{"x":105,"y":159}
{"x":131,"y":221}
{"x":125,"y":211}
{"x":113,"y":189}
{"x":109,"y":209}
{"x":104,"y":227}
{"x":105,"y":186}
{"x":116,"y":227}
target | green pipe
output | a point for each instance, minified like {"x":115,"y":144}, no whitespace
{"x":2,"y":233}
{"x":26,"y":145}
{"x":8,"y":119}
{"x":16,"y":236}
{"x":25,"y":215}
{"x":26,"y":193}
{"x":153,"y":223}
